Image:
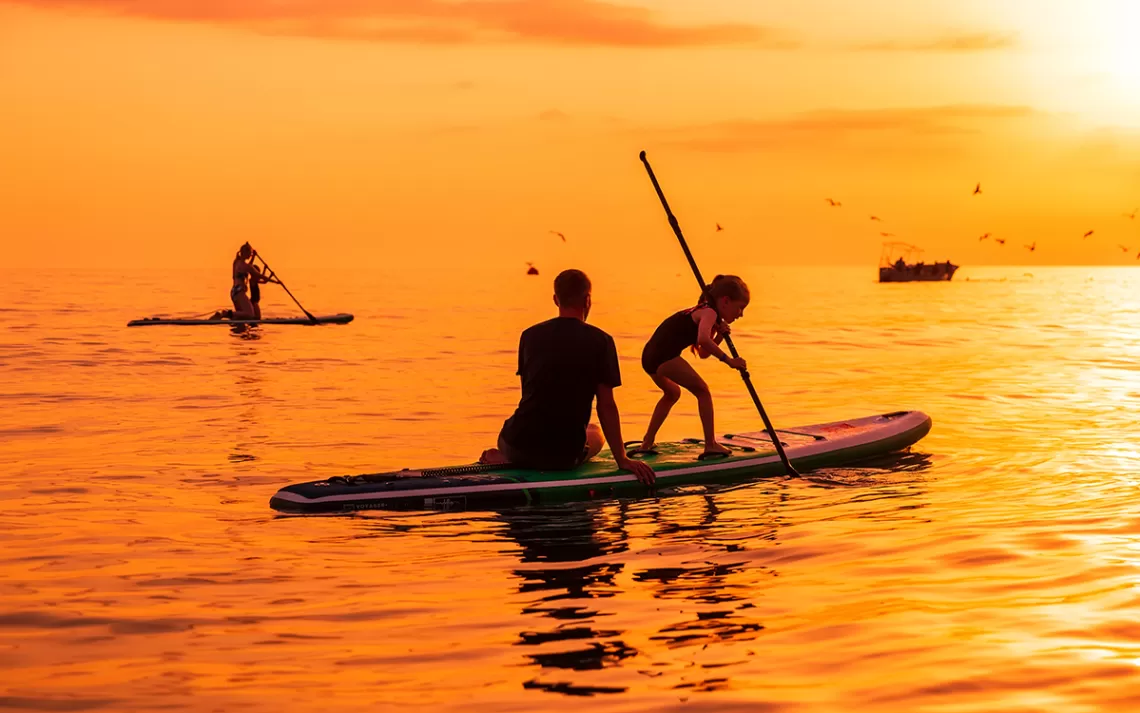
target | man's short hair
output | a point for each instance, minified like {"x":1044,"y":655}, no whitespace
{"x":571,"y":288}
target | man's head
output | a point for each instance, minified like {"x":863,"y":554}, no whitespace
{"x":572,"y":294}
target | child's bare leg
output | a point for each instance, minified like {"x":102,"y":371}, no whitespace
{"x":670,"y":393}
{"x":679,"y":371}
{"x":705,"y":408}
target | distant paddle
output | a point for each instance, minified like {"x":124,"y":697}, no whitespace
{"x":273,"y":276}
{"x":727,"y":339}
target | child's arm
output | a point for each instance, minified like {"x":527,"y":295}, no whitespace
{"x":256,"y":273}
{"x":708,"y":344}
{"x":718,"y":336}
{"x":721,"y":330}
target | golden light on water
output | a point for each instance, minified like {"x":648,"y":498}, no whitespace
{"x":993,"y":567}
{"x":406,"y":161}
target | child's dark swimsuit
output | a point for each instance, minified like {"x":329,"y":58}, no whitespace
{"x":673,"y":336}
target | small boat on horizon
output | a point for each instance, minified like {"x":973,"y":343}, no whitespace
{"x":897,"y":263}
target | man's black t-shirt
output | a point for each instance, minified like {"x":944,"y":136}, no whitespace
{"x":562,"y":362}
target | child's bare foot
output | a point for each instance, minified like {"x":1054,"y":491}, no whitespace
{"x":717,"y":448}
{"x":492,"y":456}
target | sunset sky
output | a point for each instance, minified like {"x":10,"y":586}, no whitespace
{"x":403,"y":132}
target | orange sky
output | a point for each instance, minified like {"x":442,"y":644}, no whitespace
{"x":394,"y":132}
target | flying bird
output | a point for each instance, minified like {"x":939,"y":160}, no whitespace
{"x":555,"y":232}
{"x":718,"y":228}
{"x":875,"y":217}
{"x":1132,"y":215}
{"x":1087,"y":234}
{"x":1032,"y":247}
{"x":833,"y":203}
{"x":984,"y":236}
{"x":1123,"y":248}
{"x":977,"y":189}
{"x":999,"y":241}
{"x":531,"y":270}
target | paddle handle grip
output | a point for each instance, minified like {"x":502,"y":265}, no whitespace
{"x":677,"y":229}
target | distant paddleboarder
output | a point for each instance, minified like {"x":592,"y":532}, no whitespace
{"x":256,"y":278}
{"x":245,"y":292}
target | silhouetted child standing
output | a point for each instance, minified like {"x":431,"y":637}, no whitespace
{"x":700,"y":329}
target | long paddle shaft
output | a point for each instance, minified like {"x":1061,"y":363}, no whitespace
{"x":275,"y":277}
{"x":727,"y":339}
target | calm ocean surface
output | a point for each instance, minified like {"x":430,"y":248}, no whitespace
{"x":995,"y":567}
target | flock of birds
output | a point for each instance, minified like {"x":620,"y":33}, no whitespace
{"x":1032,"y":247}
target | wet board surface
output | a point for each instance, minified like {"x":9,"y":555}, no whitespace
{"x":320,"y":319}
{"x":676,"y":463}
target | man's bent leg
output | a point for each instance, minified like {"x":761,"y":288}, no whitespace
{"x":499,"y":455}
{"x":594,"y":441}
{"x":492,"y":456}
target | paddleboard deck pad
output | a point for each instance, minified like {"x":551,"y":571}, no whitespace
{"x":474,"y":487}
{"x":320,"y":319}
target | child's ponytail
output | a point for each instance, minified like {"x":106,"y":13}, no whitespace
{"x":729,"y":286}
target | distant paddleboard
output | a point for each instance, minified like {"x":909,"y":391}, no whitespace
{"x":325,"y":319}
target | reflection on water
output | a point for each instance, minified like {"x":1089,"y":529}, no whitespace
{"x":570,"y":552}
{"x":994,"y":567}
{"x":567,"y":536}
{"x":248,"y":375}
